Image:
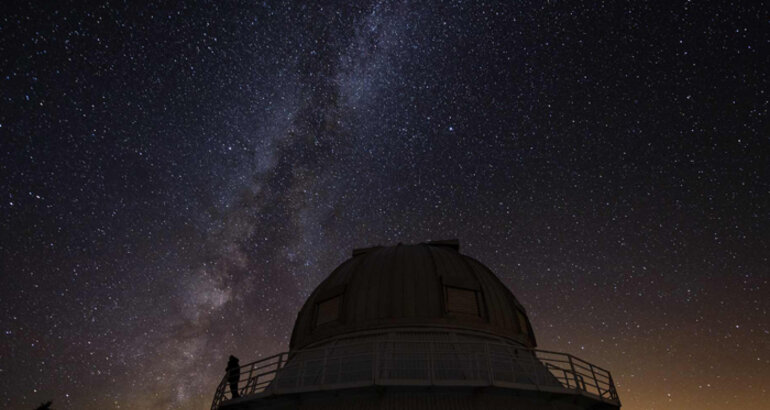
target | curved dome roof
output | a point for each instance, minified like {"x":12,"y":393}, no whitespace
{"x":405,"y":286}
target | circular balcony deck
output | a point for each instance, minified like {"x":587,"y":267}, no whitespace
{"x":419,"y":363}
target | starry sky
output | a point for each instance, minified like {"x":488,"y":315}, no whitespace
{"x":176,"y":178}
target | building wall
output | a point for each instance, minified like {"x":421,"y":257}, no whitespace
{"x":403,"y":398}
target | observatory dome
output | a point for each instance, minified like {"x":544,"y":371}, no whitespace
{"x":395,"y":288}
{"x":414,"y":327}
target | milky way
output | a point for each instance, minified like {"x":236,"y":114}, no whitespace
{"x":176,"y":179}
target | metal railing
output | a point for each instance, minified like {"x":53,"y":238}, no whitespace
{"x":420,"y":363}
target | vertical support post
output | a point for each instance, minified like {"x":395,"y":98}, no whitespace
{"x":572,"y":369}
{"x":566,"y":378}
{"x":613,"y":392}
{"x":596,"y":381}
{"x":249,"y":382}
{"x":219,"y":395}
{"x":278,"y":367}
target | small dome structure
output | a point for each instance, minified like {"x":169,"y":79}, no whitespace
{"x":428,"y":285}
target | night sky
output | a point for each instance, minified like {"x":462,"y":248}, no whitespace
{"x":176,"y":179}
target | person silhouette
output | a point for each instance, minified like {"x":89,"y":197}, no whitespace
{"x":233,"y":375}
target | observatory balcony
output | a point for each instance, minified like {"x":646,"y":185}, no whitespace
{"x":419,"y":363}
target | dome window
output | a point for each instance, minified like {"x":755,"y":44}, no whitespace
{"x":328,"y":311}
{"x":459,"y":300}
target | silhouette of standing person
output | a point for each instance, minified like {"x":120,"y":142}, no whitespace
{"x":233,"y":375}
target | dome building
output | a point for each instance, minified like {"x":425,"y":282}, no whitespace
{"x":416,"y":327}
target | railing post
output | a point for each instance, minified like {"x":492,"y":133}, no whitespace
{"x":249,"y":382}
{"x":572,"y":369}
{"x":613,"y":392}
{"x":596,"y":381}
{"x":566,"y":378}
{"x":219,"y":395}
